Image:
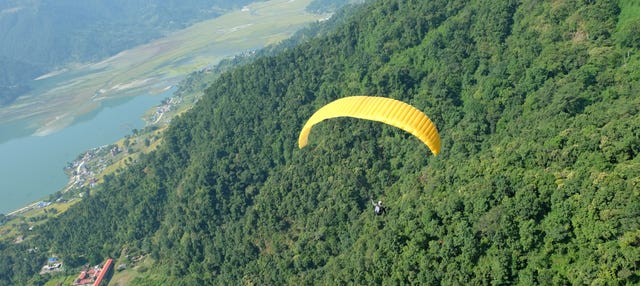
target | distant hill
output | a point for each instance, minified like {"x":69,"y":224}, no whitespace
{"x":43,"y":35}
{"x":13,"y":80}
{"x":38,"y":36}
{"x":537,"y":183}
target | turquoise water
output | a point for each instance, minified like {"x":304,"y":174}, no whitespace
{"x":32,"y":167}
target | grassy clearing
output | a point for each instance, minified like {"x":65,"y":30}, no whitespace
{"x":61,"y":280}
{"x":126,"y":276}
{"x":629,"y":10}
{"x":19,"y":227}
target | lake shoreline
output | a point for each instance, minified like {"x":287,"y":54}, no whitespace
{"x":113,"y":130}
{"x":73,"y":93}
{"x":90,"y":166}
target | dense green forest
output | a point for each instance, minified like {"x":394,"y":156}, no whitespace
{"x":538,"y":181}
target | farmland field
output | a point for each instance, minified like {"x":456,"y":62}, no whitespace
{"x":61,"y":96}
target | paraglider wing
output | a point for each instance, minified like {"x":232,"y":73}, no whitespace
{"x":381,"y":109}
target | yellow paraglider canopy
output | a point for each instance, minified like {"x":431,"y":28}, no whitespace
{"x":381,"y":109}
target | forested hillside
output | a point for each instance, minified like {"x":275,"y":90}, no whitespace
{"x":538,"y":181}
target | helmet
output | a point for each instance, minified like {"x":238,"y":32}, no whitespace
{"x":379,"y":202}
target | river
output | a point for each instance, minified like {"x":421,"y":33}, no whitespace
{"x":32,"y":167}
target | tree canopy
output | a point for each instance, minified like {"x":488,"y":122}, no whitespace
{"x":537,"y":181}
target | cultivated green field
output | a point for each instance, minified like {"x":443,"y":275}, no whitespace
{"x":61,"y":96}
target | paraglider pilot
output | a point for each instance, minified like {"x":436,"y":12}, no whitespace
{"x":378,"y":209}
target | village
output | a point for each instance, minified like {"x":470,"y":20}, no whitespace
{"x":87,"y":276}
{"x":85,"y":174}
{"x":94,"y":275}
{"x":91,"y":165}
{"x":88,"y":169}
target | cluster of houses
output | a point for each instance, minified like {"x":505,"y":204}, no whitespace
{"x":53,"y":264}
{"x":81,"y":170}
{"x":167,"y":105}
{"x":93,"y":276}
{"x":88,"y":276}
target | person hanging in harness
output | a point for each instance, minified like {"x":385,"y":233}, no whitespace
{"x":378,"y":209}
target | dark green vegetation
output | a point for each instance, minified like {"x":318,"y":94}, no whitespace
{"x":538,"y":181}
{"x":38,"y":36}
